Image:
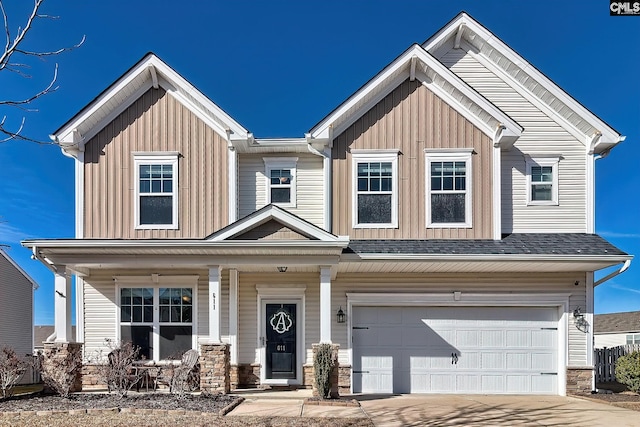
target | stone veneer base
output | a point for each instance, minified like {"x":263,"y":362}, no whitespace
{"x":579,"y":380}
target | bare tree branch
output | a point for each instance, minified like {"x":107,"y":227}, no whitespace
{"x":14,"y":58}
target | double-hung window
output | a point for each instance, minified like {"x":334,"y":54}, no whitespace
{"x":542,"y":180}
{"x":156,"y":190}
{"x":448,"y":188}
{"x":375,"y":188}
{"x":158,"y":318}
{"x":280,"y":173}
{"x":633,"y":338}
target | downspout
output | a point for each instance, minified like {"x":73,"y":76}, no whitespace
{"x":624,"y":268}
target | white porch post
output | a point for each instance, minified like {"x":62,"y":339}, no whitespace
{"x":62,"y":304}
{"x":325,"y":304}
{"x":233,"y":315}
{"x":214,"y":304}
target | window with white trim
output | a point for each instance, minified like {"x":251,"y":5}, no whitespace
{"x":448,"y":188}
{"x":280,"y":176}
{"x":633,"y":338}
{"x":542,"y":180}
{"x":375,"y":188}
{"x":156,"y":190}
{"x":157,"y":318}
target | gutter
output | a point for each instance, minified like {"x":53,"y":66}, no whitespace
{"x":624,"y":268}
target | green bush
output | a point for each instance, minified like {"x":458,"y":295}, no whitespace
{"x":323,"y":365}
{"x":628,"y":371}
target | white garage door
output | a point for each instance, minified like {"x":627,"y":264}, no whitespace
{"x":455,"y":350}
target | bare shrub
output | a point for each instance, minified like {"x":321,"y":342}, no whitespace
{"x":116,"y":370}
{"x":12,"y":369}
{"x":59,"y":369}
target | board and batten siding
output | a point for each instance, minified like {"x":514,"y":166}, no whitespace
{"x":248,"y":351}
{"x":544,"y":284}
{"x":541,"y":135}
{"x":410,"y":119}
{"x":252,"y":186}
{"x":101,"y":311}
{"x":16,"y":314}
{"x":156,"y":122}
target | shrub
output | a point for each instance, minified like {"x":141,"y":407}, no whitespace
{"x":59,"y":369}
{"x":12,"y":369}
{"x":628,"y":371}
{"x":116,"y":370}
{"x":323,"y":364}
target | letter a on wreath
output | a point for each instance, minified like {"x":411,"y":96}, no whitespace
{"x":281,"y":321}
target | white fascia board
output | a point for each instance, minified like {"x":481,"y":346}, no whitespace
{"x":165,"y":77}
{"x":397,"y":72}
{"x":20,"y":269}
{"x":610,"y":136}
{"x":484,"y":258}
{"x":284,"y":217}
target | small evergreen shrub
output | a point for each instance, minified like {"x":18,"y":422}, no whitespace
{"x":323,"y":364}
{"x":628,"y":371}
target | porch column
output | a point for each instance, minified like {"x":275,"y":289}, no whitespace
{"x":215,"y":301}
{"x":62,"y":304}
{"x":233,"y":315}
{"x":325,"y":304}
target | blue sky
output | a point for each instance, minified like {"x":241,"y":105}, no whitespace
{"x":278,"y":67}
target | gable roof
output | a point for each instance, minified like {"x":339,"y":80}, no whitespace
{"x":598,"y":135}
{"x":149,"y":72}
{"x":19,"y":269}
{"x":616,"y":322}
{"x":417,"y":63}
{"x":272,"y":212}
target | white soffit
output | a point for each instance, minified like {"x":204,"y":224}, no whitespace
{"x":149,"y":72}
{"x":524,"y":75}
{"x":417,"y":63}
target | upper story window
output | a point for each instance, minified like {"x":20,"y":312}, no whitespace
{"x":542,"y":180}
{"x":156,"y":194}
{"x":375,"y":188}
{"x":448,"y":188}
{"x":280,"y":173}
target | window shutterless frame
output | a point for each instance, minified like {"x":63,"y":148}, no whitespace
{"x":449,"y":173}
{"x":150,"y":289}
{"x":280,"y":181}
{"x":155,"y":184}
{"x":542,"y":179}
{"x":374,"y":180}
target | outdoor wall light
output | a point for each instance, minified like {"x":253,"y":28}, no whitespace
{"x":282,"y":269}
{"x":340,"y":315}
{"x":581,"y":322}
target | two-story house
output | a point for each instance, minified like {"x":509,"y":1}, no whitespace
{"x":437,"y":227}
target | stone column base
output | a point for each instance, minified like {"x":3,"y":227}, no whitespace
{"x":334,"y":372}
{"x":579,"y":380}
{"x":344,"y":379}
{"x":215,"y":368}
{"x":59,"y":356}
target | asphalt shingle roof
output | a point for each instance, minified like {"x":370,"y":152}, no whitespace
{"x":515,"y":244}
{"x":616,"y":322}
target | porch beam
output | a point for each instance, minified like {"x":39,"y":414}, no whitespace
{"x":214,"y":304}
{"x":62,"y":305}
{"x":325,"y":304}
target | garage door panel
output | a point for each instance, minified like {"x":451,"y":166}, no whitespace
{"x":499,"y":349}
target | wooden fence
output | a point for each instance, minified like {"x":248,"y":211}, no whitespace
{"x":605,"y":361}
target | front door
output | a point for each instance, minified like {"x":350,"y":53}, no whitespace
{"x":281,"y":345}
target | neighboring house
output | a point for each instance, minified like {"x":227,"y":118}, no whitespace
{"x":16,"y":308}
{"x":437,"y":226}
{"x":43,"y":332}
{"x":614,"y":329}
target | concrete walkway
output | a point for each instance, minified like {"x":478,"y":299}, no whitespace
{"x":288,"y":404}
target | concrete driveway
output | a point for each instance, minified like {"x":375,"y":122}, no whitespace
{"x":481,"y":410}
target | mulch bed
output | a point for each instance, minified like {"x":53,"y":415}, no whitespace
{"x":148,"y":401}
{"x":619,"y":396}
